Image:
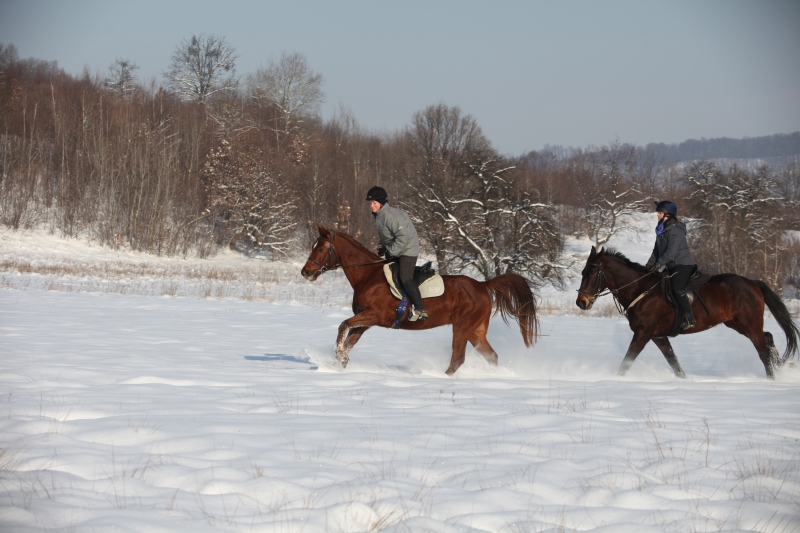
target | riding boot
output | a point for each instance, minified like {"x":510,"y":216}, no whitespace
{"x":412,"y":291}
{"x":686,"y":307}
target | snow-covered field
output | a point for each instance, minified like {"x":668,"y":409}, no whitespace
{"x":131,"y":405}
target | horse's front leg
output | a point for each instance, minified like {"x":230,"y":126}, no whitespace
{"x":349,"y":332}
{"x":352,"y":337}
{"x":634,"y":349}
{"x":669,"y":354}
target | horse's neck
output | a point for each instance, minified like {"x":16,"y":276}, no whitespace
{"x":351,"y":254}
{"x":620,"y":275}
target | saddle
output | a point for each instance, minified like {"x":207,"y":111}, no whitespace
{"x":430,"y":283}
{"x":696,"y":280}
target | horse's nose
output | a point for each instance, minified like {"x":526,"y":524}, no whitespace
{"x":581,"y":303}
{"x":310,"y":275}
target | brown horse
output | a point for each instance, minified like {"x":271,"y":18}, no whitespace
{"x":466,"y":303}
{"x":733,"y":300}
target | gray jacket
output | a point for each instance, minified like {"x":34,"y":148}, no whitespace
{"x":672,"y":247}
{"x":396,"y":232}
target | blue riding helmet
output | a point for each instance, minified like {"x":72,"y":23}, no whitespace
{"x":665,"y":206}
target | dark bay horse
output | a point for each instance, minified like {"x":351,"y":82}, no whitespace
{"x":733,"y":300}
{"x":466,"y":303}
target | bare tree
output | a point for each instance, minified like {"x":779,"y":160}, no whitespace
{"x":121,"y":78}
{"x":292,"y":87}
{"x":201,"y":67}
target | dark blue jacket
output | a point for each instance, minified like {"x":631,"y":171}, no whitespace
{"x":672,"y":247}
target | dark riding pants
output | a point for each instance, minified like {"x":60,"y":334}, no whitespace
{"x":680,"y":277}
{"x":407,"y":264}
{"x":679,"y":281}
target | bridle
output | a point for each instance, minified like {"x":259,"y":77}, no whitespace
{"x":597,"y":293}
{"x":334,"y":259}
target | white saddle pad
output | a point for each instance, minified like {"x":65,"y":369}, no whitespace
{"x":430,"y":288}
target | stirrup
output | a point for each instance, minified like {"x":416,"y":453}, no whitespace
{"x":418,"y":314}
{"x":688,"y":324}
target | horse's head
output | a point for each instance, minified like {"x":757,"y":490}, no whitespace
{"x":593,"y":281}
{"x":323,"y":255}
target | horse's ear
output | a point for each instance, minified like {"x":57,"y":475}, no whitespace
{"x":323,"y":231}
{"x":601,"y":251}
{"x":593,"y":252}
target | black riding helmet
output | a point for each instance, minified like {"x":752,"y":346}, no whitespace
{"x":378,"y":194}
{"x":665,"y":206}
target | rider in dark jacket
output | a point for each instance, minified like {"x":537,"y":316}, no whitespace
{"x":671,"y":251}
{"x":398,"y":242}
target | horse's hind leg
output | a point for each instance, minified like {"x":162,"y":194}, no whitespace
{"x":774,"y":356}
{"x":669,"y":354}
{"x":760,"y":340}
{"x":478,"y":340}
{"x":460,"y":337}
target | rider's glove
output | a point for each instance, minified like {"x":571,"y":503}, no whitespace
{"x":381,"y":250}
{"x":654,"y":269}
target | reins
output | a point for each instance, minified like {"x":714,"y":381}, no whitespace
{"x":331,"y":251}
{"x":614,"y":292}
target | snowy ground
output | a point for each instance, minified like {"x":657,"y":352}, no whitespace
{"x":129,"y":410}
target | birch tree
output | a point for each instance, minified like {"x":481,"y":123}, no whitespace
{"x":292,"y":87}
{"x":201,"y":67}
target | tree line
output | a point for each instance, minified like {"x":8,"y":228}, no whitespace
{"x":780,"y":145}
{"x":209,"y":158}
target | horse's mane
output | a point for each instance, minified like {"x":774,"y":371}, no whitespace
{"x":613,"y":253}
{"x":352,"y":240}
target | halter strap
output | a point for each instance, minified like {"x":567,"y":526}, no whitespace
{"x":613,"y":292}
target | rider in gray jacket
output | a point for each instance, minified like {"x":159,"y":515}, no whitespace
{"x":671,"y":251}
{"x":398,"y":241}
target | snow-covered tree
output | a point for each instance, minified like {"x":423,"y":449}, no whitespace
{"x":202,"y":66}
{"x":246,"y":201}
{"x":439,"y":140}
{"x":494,"y":227}
{"x":606,"y":190}
{"x":739,"y":228}
{"x":467,"y":202}
{"x":121,"y":77}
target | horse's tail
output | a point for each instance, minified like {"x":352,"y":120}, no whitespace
{"x":513,"y":297}
{"x":783,"y":317}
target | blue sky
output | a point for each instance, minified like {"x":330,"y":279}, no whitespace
{"x":570,"y":73}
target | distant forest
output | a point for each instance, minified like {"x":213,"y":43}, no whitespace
{"x":210,"y":159}
{"x":770,"y":146}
